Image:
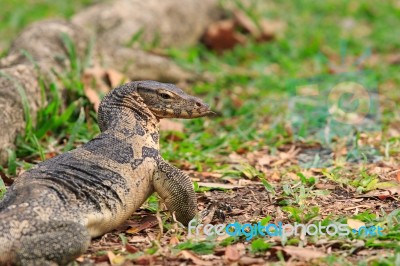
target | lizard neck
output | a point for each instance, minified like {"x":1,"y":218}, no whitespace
{"x":124,"y":113}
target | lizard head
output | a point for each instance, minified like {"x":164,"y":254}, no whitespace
{"x":168,"y":101}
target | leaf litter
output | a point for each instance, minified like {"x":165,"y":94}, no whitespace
{"x":251,"y":202}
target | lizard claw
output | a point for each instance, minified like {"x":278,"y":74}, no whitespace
{"x":215,"y":209}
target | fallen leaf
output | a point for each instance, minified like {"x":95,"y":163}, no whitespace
{"x":355,"y":224}
{"x":304,"y":253}
{"x":80,"y":259}
{"x":242,"y":150}
{"x":95,"y":78}
{"x":393,"y":190}
{"x":194,"y":258}
{"x":138,"y":239}
{"x":145,"y":260}
{"x":264,"y":160}
{"x":50,"y":155}
{"x":290,"y":154}
{"x":174,"y":240}
{"x":355,"y":200}
{"x":271,"y":29}
{"x":147,"y":222}
{"x":218,"y":185}
{"x":97,"y":81}
{"x":101,"y":258}
{"x":211,"y":175}
{"x":251,"y":261}
{"x":275,"y":176}
{"x":131,"y":249}
{"x":356,"y":207}
{"x":221,"y":36}
{"x":382,"y":194}
{"x":115,"y":78}
{"x":210,"y":211}
{"x":393,"y":59}
{"x":244,"y":21}
{"x":232,"y":253}
{"x":235,"y":158}
{"x":293,"y":176}
{"x":8,"y":181}
{"x":93,"y":97}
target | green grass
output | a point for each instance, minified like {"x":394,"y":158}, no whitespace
{"x":253,"y":88}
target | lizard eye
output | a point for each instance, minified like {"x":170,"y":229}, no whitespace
{"x":165,"y":96}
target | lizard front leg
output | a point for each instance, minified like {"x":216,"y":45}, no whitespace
{"x":176,"y":189}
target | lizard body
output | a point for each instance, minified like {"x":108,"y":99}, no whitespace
{"x":51,"y":212}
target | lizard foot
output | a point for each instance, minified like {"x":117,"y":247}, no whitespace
{"x":215,"y":209}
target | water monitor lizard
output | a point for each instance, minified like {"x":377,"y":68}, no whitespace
{"x":51,"y":212}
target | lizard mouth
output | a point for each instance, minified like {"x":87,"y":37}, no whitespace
{"x":201,"y":112}
{"x":211,"y":113}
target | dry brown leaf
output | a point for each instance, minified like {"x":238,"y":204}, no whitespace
{"x":221,"y":36}
{"x":355,"y":200}
{"x":393,"y":59}
{"x":235,"y":158}
{"x":355,"y":224}
{"x":290,"y":154}
{"x":275,"y":177}
{"x":145,"y":260}
{"x":115,"y":78}
{"x":131,"y":249}
{"x":194,"y":258}
{"x":93,"y":97}
{"x":293,"y":176}
{"x":218,"y":185}
{"x":304,"y":253}
{"x":393,"y":190}
{"x":264,"y":160}
{"x":95,"y":78}
{"x":98,"y":81}
{"x":211,"y":175}
{"x":80,"y":259}
{"x":356,"y":207}
{"x":244,"y":21}
{"x":147,"y":222}
{"x":232,"y":253}
{"x":101,"y":259}
{"x":50,"y":155}
{"x":242,"y":150}
{"x":244,"y":182}
{"x":8,"y":181}
{"x":382,"y":193}
{"x":251,"y":261}
{"x":174,"y":240}
{"x":171,"y":125}
{"x":138,"y":239}
{"x":271,"y":29}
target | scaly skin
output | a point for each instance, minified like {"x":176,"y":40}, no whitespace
{"x":51,"y":212}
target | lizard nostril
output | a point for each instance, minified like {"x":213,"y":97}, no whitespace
{"x":198,"y":104}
